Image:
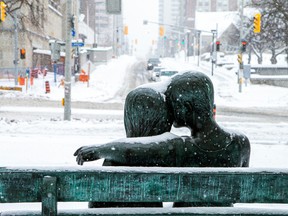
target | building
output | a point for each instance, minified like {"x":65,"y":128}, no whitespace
{"x":172,"y":17}
{"x":182,"y":14}
{"x":35,"y":27}
{"x":104,"y":30}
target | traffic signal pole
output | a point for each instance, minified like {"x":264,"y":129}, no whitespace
{"x":67,"y":83}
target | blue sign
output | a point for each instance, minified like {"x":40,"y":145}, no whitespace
{"x":73,"y":32}
{"x":75,"y":44}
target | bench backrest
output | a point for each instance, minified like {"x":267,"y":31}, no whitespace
{"x":134,"y":184}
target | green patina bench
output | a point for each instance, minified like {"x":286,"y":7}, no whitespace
{"x":149,"y":184}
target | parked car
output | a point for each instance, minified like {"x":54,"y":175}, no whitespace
{"x":167,"y":73}
{"x":153,"y":62}
{"x":205,"y":56}
{"x":156,"y":73}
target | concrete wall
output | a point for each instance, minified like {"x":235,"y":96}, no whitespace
{"x":281,"y":82}
{"x":271,"y":70}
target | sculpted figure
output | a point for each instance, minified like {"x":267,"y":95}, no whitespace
{"x":189,"y":99}
{"x":145,"y":115}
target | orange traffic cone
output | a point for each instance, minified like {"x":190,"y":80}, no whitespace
{"x":214,"y":111}
{"x":47,"y":87}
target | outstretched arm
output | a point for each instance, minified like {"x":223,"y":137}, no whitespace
{"x":161,"y":150}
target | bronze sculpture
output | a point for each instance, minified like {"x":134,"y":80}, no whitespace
{"x":187,"y":101}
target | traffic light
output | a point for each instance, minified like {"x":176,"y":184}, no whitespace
{"x":22,"y":53}
{"x":161,"y":31}
{"x":239,"y":58}
{"x":218,"y":45}
{"x":243,"y":48}
{"x":2,"y":11}
{"x":257,"y":23}
{"x":183,"y":42}
{"x":126,"y":30}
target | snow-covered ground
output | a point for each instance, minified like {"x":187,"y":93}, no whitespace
{"x":38,"y":135}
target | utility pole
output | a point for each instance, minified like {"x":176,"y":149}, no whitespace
{"x":199,"y":46}
{"x":67,"y":89}
{"x":16,"y":60}
{"x":240,"y":72}
{"x":214,"y":53}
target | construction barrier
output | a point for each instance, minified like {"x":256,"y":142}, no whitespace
{"x":21,"y":81}
{"x":47,"y":87}
{"x":214,"y":111}
{"x":34,"y":73}
{"x":83,"y":77}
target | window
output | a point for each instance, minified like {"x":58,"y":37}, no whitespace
{"x":222,"y":5}
{"x":203,"y":5}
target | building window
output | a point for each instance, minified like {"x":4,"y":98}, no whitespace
{"x":203,"y":5}
{"x":222,"y":5}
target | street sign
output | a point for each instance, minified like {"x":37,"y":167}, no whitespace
{"x":76,"y":44}
{"x":73,"y":32}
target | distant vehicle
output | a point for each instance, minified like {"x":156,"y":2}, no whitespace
{"x":229,"y":65}
{"x":153,"y":62}
{"x":223,"y":61}
{"x":205,"y":56}
{"x":167,"y":73}
{"x":156,"y":73}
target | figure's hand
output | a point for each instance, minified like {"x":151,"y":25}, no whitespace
{"x":86,"y":153}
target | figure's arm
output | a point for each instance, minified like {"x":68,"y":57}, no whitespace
{"x":158,"y":150}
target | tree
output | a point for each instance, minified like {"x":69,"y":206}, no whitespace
{"x":274,"y":26}
{"x":29,"y":12}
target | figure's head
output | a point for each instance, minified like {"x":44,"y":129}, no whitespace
{"x":146,"y":113}
{"x":190,"y":96}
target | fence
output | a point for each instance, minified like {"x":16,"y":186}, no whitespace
{"x":9,"y":73}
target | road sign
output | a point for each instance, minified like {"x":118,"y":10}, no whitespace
{"x":75,"y":44}
{"x":73,"y":32}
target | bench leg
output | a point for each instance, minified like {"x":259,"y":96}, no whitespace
{"x":49,"y":196}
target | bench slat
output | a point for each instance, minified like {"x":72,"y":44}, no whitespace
{"x":195,"y":211}
{"x":229,"y":185}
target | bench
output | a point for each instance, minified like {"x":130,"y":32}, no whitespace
{"x":144,"y":184}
